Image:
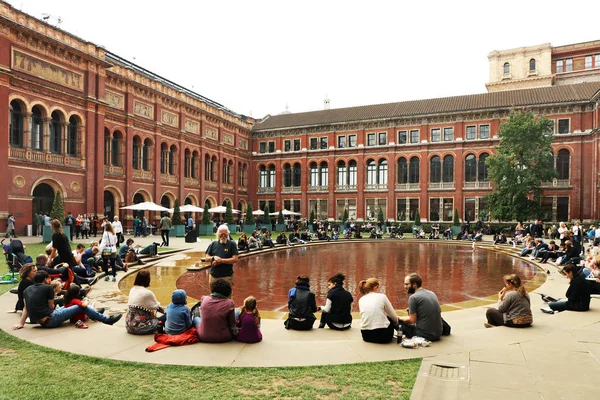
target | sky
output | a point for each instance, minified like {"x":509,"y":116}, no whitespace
{"x":265,"y":57}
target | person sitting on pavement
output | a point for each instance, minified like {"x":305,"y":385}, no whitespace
{"x":26,"y":273}
{"x":128,"y":255}
{"x":80,"y":268}
{"x":301,"y":305}
{"x":552,"y":252}
{"x":39,"y":306}
{"x":336,"y":313}
{"x":253,"y":242}
{"x":578,"y":293}
{"x":514,"y":305}
{"x":500,"y":238}
{"x":178,"y":314}
{"x":73,"y":298}
{"x":243,"y":242}
{"x":267,"y":240}
{"x":424,"y":314}
{"x":282,"y":239}
{"x":142,"y":307}
{"x":249,"y":322}
{"x":378,"y":319}
{"x":294,"y":237}
{"x":216,"y":323}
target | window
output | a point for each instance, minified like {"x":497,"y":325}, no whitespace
{"x":164,"y":155}
{"x":588,"y":62}
{"x":371,"y":172}
{"x":287,"y":145}
{"x":287,"y":175}
{"x":448,"y":209}
{"x":448,"y":134}
{"x":484,"y":131}
{"x":351,"y":140}
{"x":470,"y":168}
{"x":435,"y":135}
{"x":402,"y":171}
{"x":55,"y":134}
{"x":562,"y":209}
{"x":413,"y":170}
{"x":563,"y":126}
{"x":435,"y":170}
{"x":413,"y":209}
{"x":271,"y":147}
{"x":414,"y":136}
{"x":562,"y":164}
{"x":135,"y":159}
{"x":263,"y":177}
{"x":382,"y":138}
{"x":382,"y":172}
{"x":314,"y":174}
{"x":173,"y":161}
{"x":324,"y":174}
{"x":532,"y":65}
{"x":506,"y":69}
{"x":448,"y":169}
{"x":16,"y":125}
{"x":314,"y":143}
{"x":324,"y":143}
{"x":568,"y":65}
{"x":342,"y":173}
{"x":469,"y":209}
{"x":262,"y":147}
{"x":401,"y":209}
{"x":37,"y":129}
{"x":115,"y":149}
{"x":194,"y":169}
{"x":146,"y":155}
{"x":72,"y":139}
{"x":341,"y":142}
{"x":296,"y":144}
{"x":471,"y":133}
{"x":402,"y":137}
{"x":482,"y":173}
{"x":434,"y":209}
{"x":597,"y":61}
{"x":271,"y":176}
{"x":371,"y":139}
{"x":559,"y":66}
{"x":352,"y":171}
{"x":297,"y":175}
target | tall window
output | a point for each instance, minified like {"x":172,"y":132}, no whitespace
{"x":563,"y":160}
{"x":532,"y":65}
{"x":470,"y":168}
{"x":272,"y":176}
{"x":173,"y":160}
{"x":484,"y":131}
{"x":324,"y":143}
{"x":414,"y":136}
{"x":146,"y":155}
{"x":341,"y":142}
{"x":568,"y":65}
{"x":382,"y":138}
{"x":402,"y":137}
{"x":194,"y":166}
{"x":115,"y":149}
{"x":16,"y":124}
{"x":296,"y":144}
{"x":213,"y":169}
{"x":37,"y":129}
{"x":263,"y":177}
{"x":352,"y":172}
{"x":207,"y":167}
{"x":506,"y":69}
{"x":435,"y":170}
{"x":287,"y":175}
{"x":448,"y":169}
{"x":72,"y":136}
{"x":135,"y":157}
{"x":435,"y":135}
{"x":297,"y":175}
{"x":482,"y":172}
{"x":314,"y":174}
{"x":164,"y":158}
{"x":371,"y":139}
{"x":559,"y":66}
{"x":382,"y":172}
{"x":342,"y":173}
{"x":588,"y":62}
{"x":402,"y":171}
{"x":351,"y":140}
{"x":314,"y":143}
{"x":413,"y":170}
{"x":371,"y":172}
{"x":324,"y":174}
{"x":319,"y":174}
{"x":55,"y":133}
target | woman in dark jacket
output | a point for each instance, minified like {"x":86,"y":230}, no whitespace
{"x":336,"y":313}
{"x":578,"y":293}
{"x":302,"y":305}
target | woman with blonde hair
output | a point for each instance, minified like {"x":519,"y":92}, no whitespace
{"x":514,"y":307}
{"x":108,"y":249}
{"x":378,"y":317}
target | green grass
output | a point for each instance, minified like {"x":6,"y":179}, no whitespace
{"x":31,"y":371}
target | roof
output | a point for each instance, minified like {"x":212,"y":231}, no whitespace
{"x":506,"y":99}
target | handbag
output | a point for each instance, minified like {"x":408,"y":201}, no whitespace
{"x":108,"y":250}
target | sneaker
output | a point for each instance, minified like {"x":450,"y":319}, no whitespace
{"x":106,"y":278}
{"x":114,"y":279}
{"x":488,"y":325}
{"x":547,"y":310}
{"x":113,"y":319}
{"x":81,"y":325}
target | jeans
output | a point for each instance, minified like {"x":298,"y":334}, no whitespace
{"x":558,"y":305}
{"x":62,"y":314}
{"x":164,"y":234}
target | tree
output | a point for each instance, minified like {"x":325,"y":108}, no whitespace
{"x":311,"y":218}
{"x":249,"y":215}
{"x":280,"y":219}
{"x":523,"y":160}
{"x":206,"y":215}
{"x":456,"y":221}
{"x":176,"y":213}
{"x":380,"y":218}
{"x":228,"y":213}
{"x":417,"y":218}
{"x":345,"y":217}
{"x":58,"y":208}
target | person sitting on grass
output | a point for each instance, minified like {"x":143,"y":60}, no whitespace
{"x":249,"y":322}
{"x":514,"y":305}
{"x":216,"y":323}
{"x":302,"y":305}
{"x":178,"y":314}
{"x":578,"y":293}
{"x":336,"y":312}
{"x":39,"y":306}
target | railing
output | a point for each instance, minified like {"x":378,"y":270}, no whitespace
{"x":345,"y":188}
{"x":375,"y":187}
{"x":313,"y":189}
{"x":263,"y":190}
{"x":408,"y":186}
{"x":113,"y":170}
{"x":45,"y":158}
{"x":477,"y":185}
{"x":557,"y":183}
{"x":441,"y":186}
{"x":291,"y":189}
{"x":169,"y":179}
{"x":194,"y":182}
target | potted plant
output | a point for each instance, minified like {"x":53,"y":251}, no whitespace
{"x":311,"y":220}
{"x":417,"y":223}
{"x":206,"y":227}
{"x":249,"y":223}
{"x":178,"y":228}
{"x":229,"y":218}
{"x":57,"y":212}
{"x":280,"y":226}
{"x":455,"y":223}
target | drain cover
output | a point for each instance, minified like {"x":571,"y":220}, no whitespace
{"x":450,"y":373}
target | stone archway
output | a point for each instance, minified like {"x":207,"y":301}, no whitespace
{"x":43,"y":197}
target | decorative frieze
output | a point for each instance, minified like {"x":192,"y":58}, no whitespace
{"x":169,"y":118}
{"x":228,"y":139}
{"x":143,"y":110}
{"x":192,"y":126}
{"x":211,"y":133}
{"x":31,"y":65}
{"x":115,"y":100}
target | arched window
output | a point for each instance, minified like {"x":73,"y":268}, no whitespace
{"x":342,"y":173}
{"x":73,"y":136}
{"x":225,"y":172}
{"x":242,"y":175}
{"x":324,"y":174}
{"x":297,"y":175}
{"x":16,"y":124}
{"x":187,"y":164}
{"x":413,"y":170}
{"x":382,"y":172}
{"x":402,"y":171}
{"x":470,"y":168}
{"x":272,"y":176}
{"x":207,"y":166}
{"x":287,"y":175}
{"x":55,"y":133}
{"x":448,"y":172}
{"x":146,"y":155}
{"x":563,"y":160}
{"x":482,"y":173}
{"x":263,"y":177}
{"x":173,"y":160}
{"x":506,"y":69}
{"x":135,"y":159}
{"x":532,"y":65}
{"x":194,"y":171}
{"x":115,"y":149}
{"x":164,"y":158}
{"x":107,"y":146}
{"x":435,"y":170}
{"x":230,"y":172}
{"x":371,"y":172}
{"x":352,"y":173}
{"x":213,"y":169}
{"x":314,"y":174}
{"x":37,"y":129}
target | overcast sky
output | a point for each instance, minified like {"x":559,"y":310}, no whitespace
{"x":256,"y":57}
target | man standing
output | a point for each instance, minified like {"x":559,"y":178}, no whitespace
{"x":190,"y":223}
{"x":165,"y":226}
{"x":40,"y":224}
{"x":70,"y":222}
{"x":222,"y":253}
{"x":137,"y":225}
{"x":10,"y":227}
{"x":424,"y":314}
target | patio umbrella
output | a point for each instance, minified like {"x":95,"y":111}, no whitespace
{"x":188,"y":208}
{"x":221,"y":210}
{"x":285,"y":212}
{"x":258,"y":212}
{"x":145,"y":206}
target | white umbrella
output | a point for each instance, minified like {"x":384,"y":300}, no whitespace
{"x":188,"y":208}
{"x":258,"y":212}
{"x":285,"y":212}
{"x":145,"y":206}
{"x":221,"y":210}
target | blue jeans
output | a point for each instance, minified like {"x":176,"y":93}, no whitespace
{"x":558,"y":305}
{"x":63,"y":314}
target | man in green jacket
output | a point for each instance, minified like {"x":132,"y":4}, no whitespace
{"x":165,"y":226}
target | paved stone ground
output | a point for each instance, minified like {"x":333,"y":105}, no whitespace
{"x":557,"y":358}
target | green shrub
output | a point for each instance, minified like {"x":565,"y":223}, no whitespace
{"x":206,"y":215}
{"x":176,"y":213}
{"x":58,"y":208}
{"x":249,"y":215}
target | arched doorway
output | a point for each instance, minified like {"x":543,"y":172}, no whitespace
{"x":138,"y":198}
{"x":165,"y":201}
{"x":109,"y":205}
{"x":43,"y":197}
